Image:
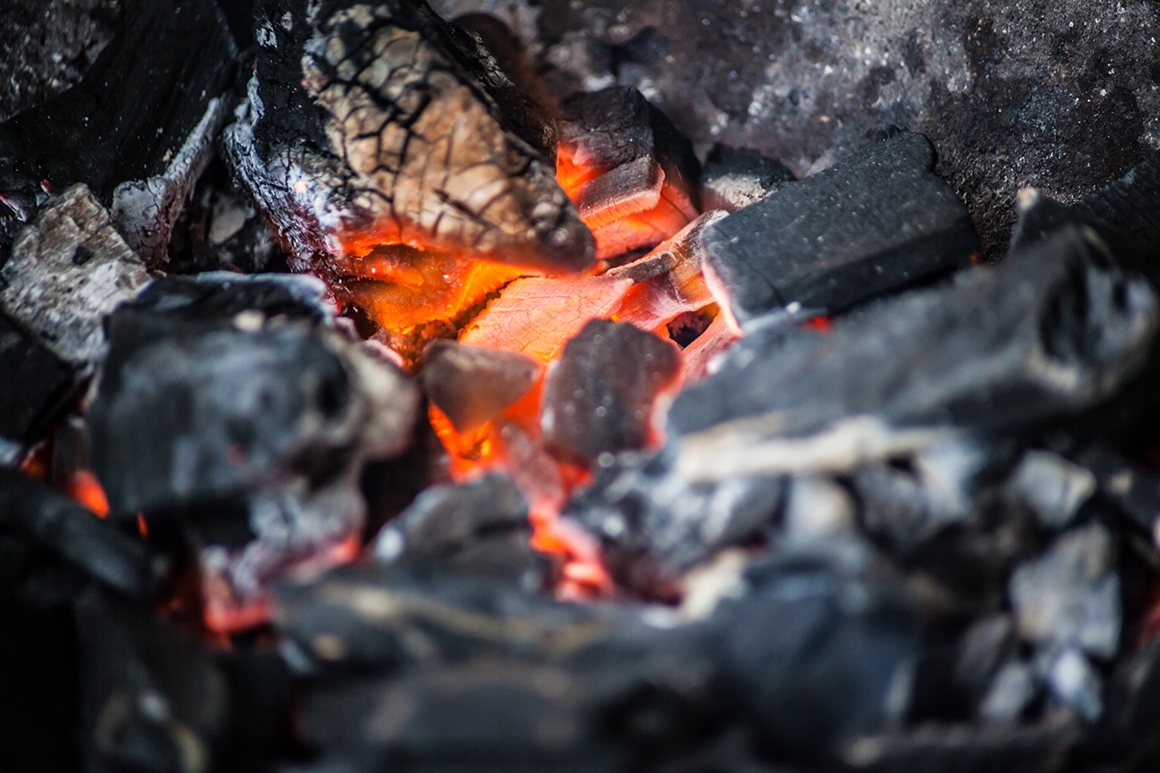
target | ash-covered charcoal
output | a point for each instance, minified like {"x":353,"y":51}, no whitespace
{"x":1048,"y":333}
{"x":139,"y":127}
{"x":67,"y":272}
{"x":1123,"y":213}
{"x":475,"y":528}
{"x":734,"y":178}
{"x":816,"y":508}
{"x":225,"y":394}
{"x":72,"y":532}
{"x":368,"y":126}
{"x":35,"y":387}
{"x":1070,"y":597}
{"x":151,"y":700}
{"x":649,"y":517}
{"x":599,"y":396}
{"x":473,"y":384}
{"x":870,"y":224}
{"x":1051,"y":486}
{"x":633,"y":176}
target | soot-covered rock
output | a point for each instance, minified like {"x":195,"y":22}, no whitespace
{"x":734,"y":178}
{"x":473,"y":384}
{"x":870,"y":224}
{"x":633,"y":176}
{"x":139,"y":127}
{"x":35,"y":386}
{"x":372,"y":124}
{"x":67,"y":272}
{"x":1048,"y":333}
{"x":475,"y":528}
{"x":599,"y":395}
{"x":71,"y":532}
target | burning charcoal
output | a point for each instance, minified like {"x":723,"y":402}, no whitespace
{"x":1013,"y":689}
{"x":228,"y":395}
{"x":537,"y":316}
{"x":638,"y":505}
{"x":812,"y":667}
{"x":599,"y":396}
{"x":1071,"y":596}
{"x":734,"y":178}
{"x":698,"y":358}
{"x":34,"y":387}
{"x":868,"y":225}
{"x":1052,"y":487}
{"x":473,"y":384}
{"x":1059,"y":334}
{"x":139,"y":127}
{"x":151,"y":699}
{"x":631,"y":173}
{"x":72,"y":532}
{"x":1074,"y":682}
{"x":369,"y":126}
{"x":68,"y":271}
{"x":475,"y":528}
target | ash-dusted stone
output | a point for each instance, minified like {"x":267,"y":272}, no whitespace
{"x":68,"y":271}
{"x":1051,"y":486}
{"x":34,"y":385}
{"x":599,"y":395}
{"x":473,"y":384}
{"x":1047,"y":333}
{"x":870,"y":224}
{"x":1071,"y":595}
{"x":733,"y":178}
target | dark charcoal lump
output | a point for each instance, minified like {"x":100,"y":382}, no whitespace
{"x":473,"y":384}
{"x":870,"y":224}
{"x":1048,"y":333}
{"x":35,"y":386}
{"x":598,"y":397}
{"x":140,"y":125}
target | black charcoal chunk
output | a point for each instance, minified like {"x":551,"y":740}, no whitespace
{"x":64,"y":527}
{"x":599,"y":395}
{"x":1133,"y":705}
{"x":475,"y":528}
{"x":473,"y":384}
{"x":35,"y":386}
{"x":1051,"y":486}
{"x":734,"y":178}
{"x":1046,"y":334}
{"x":982,"y":650}
{"x":140,"y":126}
{"x":68,"y":271}
{"x":1133,"y":490}
{"x":643,"y":511}
{"x":1071,"y":595}
{"x":870,"y":224}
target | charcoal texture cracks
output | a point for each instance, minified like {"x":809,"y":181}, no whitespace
{"x":370,"y":124}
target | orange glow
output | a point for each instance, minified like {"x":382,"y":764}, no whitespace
{"x":822,"y":324}
{"x":142,"y":527}
{"x":83,"y":486}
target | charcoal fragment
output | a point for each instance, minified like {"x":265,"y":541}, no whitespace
{"x":870,"y":224}
{"x":816,"y":508}
{"x":982,"y":650}
{"x":1071,"y":596}
{"x":473,"y":384}
{"x":1051,"y":486}
{"x":1048,"y":333}
{"x":598,"y":397}
{"x":35,"y":386}
{"x":1013,"y":689}
{"x":139,"y":127}
{"x":68,"y":271}
{"x":734,"y":178}
{"x":1135,"y":491}
{"x":1074,"y":682}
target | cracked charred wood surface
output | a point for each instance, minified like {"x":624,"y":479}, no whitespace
{"x":375,"y":124}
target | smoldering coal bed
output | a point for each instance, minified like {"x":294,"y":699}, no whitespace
{"x":382,"y":392}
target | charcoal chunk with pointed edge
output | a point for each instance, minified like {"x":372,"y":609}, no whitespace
{"x":734,"y":178}
{"x":373,"y":124}
{"x":35,"y":387}
{"x":473,"y":384}
{"x":868,"y":225}
{"x":67,"y":272}
{"x":479,"y":527}
{"x":599,"y":395}
{"x":72,"y":532}
{"x":1049,"y":333}
{"x":139,"y":127}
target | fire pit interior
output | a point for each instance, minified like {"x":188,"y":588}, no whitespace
{"x":678,"y":386}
